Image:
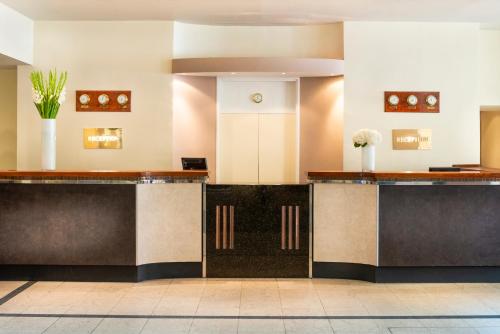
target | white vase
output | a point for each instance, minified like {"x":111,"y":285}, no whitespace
{"x":48,"y":144}
{"x":368,"y":158}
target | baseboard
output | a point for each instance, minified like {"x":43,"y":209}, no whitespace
{"x":169,"y":270}
{"x":438,"y":275}
{"x":102,"y":273}
{"x":375,"y":274}
{"x":341,"y":270}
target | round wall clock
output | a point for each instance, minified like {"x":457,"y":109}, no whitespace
{"x":412,"y":100}
{"x":431,"y":100}
{"x":84,"y":99}
{"x":103,"y":99}
{"x":122,"y":99}
{"x":257,"y":97}
{"x":393,"y":100}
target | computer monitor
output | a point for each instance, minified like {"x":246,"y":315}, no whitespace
{"x":194,"y":163}
{"x":444,"y":169}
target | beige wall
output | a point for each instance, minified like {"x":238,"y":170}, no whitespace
{"x":321,"y":124}
{"x":314,"y":41}
{"x":8,"y":109}
{"x":194,"y":120}
{"x":490,"y":139}
{"x":133,"y":56}
{"x":489,"y":67}
{"x":411,"y":57}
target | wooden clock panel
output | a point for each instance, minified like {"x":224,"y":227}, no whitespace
{"x":403,"y":106}
{"x":112,"y":106}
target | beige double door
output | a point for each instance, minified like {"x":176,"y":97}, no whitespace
{"x":257,"y":142}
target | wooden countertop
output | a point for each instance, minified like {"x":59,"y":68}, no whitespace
{"x":465,"y":175}
{"x":101,"y":174}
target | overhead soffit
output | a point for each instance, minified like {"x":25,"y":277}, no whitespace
{"x":258,"y":66}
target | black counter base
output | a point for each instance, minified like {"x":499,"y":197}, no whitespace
{"x":374,"y":274}
{"x":100,"y":273}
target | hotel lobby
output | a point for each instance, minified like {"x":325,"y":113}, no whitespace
{"x":259,"y":166}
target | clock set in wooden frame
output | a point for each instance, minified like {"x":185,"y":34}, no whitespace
{"x":420,"y":102}
{"x":103,"y":100}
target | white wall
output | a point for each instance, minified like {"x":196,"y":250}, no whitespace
{"x":16,"y":35}
{"x":132,"y":56}
{"x":8,"y":109}
{"x":315,"y":41}
{"x":489,"y":67}
{"x":411,"y":57}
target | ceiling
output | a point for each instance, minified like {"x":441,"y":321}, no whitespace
{"x":261,"y":12}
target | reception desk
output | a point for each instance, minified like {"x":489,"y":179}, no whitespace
{"x":134,"y":226}
{"x":407,"y":226}
{"x":100,"y":225}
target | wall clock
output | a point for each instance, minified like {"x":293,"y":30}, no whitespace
{"x":103,"y":99}
{"x":122,"y":99}
{"x":393,"y":100}
{"x":412,"y":100}
{"x":431,"y":100}
{"x":257,"y":97}
{"x":84,"y":99}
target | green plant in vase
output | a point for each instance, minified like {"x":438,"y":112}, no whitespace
{"x":49,"y":93}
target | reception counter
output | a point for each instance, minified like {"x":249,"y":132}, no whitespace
{"x":407,"y":226}
{"x":137,"y":225}
{"x":100,"y":225}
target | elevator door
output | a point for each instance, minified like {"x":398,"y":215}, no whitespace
{"x":257,"y":231}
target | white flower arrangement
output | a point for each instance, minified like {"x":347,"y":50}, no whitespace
{"x":364,"y":137}
{"x":48,"y":93}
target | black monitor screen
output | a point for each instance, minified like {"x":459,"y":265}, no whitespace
{"x":194,"y":163}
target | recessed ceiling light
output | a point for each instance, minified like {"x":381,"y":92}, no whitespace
{"x":283,"y":73}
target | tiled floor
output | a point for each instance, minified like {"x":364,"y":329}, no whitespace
{"x":250,"y":306}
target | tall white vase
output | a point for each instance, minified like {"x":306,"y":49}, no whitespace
{"x":48,"y":144}
{"x":368,"y":158}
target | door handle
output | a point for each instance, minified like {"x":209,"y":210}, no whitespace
{"x":290,"y":228}
{"x":283,"y":227}
{"x":287,"y":215}
{"x":231,"y":227}
{"x":217,"y":227}
{"x":224,"y":227}
{"x":297,"y":227}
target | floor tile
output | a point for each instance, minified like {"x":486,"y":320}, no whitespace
{"x":409,"y":330}
{"x":27,"y":325}
{"x":167,"y":326}
{"x":261,"y":326}
{"x":122,"y":326}
{"x":73,"y":326}
{"x":214,"y":326}
{"x":354,"y":324}
{"x":306,"y":326}
{"x":488,"y":330}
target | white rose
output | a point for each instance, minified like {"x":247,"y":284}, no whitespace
{"x":62,"y":96}
{"x":364,"y":137}
{"x":37,"y":96}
